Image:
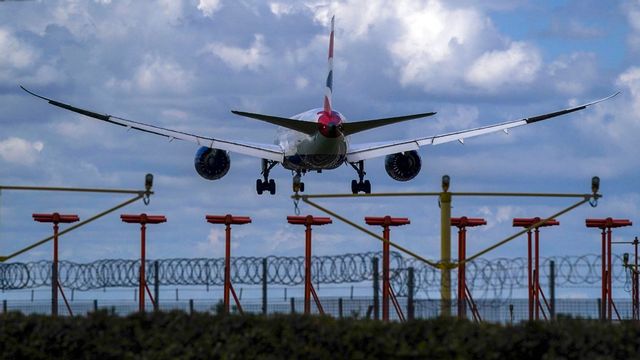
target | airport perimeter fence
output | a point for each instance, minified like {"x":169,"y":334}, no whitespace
{"x":490,"y":310}
{"x":496,"y":285}
{"x":501,"y":278}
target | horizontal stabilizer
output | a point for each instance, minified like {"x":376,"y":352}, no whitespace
{"x":305,"y":127}
{"x":351,"y":128}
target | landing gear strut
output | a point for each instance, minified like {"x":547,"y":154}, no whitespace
{"x":266,"y":184}
{"x":298,"y":185}
{"x":361,"y":185}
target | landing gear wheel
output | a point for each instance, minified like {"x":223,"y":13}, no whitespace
{"x":361,"y":185}
{"x":367,"y":187}
{"x":266,"y":184}
{"x":272,"y":187}
{"x":259,"y":186}
{"x":301,"y":187}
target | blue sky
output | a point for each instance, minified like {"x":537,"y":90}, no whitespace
{"x":185,"y":64}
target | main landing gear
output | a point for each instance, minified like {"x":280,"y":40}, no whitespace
{"x":266,"y":184}
{"x":361,"y":185}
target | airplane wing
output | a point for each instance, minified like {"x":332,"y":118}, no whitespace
{"x":359,"y":152}
{"x":264,"y":151}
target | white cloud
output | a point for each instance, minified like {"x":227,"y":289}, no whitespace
{"x":301,"y":82}
{"x":500,"y":215}
{"x":572,"y":74}
{"x":21,"y":63}
{"x":172,"y":9}
{"x":20,"y":151}
{"x":284,"y":240}
{"x":279,"y":9}
{"x":519,"y":64}
{"x":214,"y":246}
{"x":633,"y":18}
{"x":15,"y":54}
{"x":436,"y":45}
{"x":617,"y":119}
{"x":209,"y":7}
{"x":253,"y":58}
{"x":157,"y":75}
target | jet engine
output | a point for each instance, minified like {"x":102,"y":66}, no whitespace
{"x":212,"y":164}
{"x":403,"y":166}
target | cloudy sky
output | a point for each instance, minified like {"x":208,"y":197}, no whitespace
{"x":184,"y":64}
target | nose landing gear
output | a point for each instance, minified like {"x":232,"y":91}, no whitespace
{"x":298,"y":185}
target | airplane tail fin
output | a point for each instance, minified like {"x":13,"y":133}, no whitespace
{"x":329,"y":85}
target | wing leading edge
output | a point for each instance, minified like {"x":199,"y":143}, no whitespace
{"x":359,"y":152}
{"x":265,"y":151}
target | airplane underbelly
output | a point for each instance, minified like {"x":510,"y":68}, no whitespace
{"x":317,"y":154}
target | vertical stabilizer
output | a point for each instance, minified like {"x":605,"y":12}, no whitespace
{"x":329,"y":89}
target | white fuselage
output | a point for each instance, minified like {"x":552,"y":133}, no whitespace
{"x":311,"y":152}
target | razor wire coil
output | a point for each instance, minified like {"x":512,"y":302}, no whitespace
{"x":486,"y":278}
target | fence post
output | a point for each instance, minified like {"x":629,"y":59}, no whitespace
{"x":339,"y":308}
{"x":156,"y":285}
{"x":511,"y":313}
{"x":552,"y":290}
{"x":293,"y":306}
{"x":600,"y":313}
{"x":190,"y":306}
{"x":264,"y":286}
{"x":95,"y":305}
{"x":4,"y":306}
{"x":410,"y":292}
{"x":376,"y":287}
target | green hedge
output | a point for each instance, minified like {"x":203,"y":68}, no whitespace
{"x":180,"y":335}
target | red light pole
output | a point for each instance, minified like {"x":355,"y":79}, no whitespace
{"x":228,"y":220}
{"x":56,"y":219}
{"x":462,"y":223}
{"x":308,"y":221}
{"x":143,"y":220}
{"x":606,"y":225}
{"x":387,"y":291}
{"x":533,"y":270}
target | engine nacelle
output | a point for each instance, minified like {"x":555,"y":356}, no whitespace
{"x":403,"y":166}
{"x":212,"y":164}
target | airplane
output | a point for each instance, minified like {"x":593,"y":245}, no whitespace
{"x":316,"y":140}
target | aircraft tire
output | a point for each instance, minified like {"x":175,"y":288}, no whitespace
{"x":272,"y":187}
{"x":259,"y":188}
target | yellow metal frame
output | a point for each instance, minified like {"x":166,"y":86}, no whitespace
{"x":445,"y":197}
{"x":140,"y":194}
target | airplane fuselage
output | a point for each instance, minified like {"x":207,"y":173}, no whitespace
{"x":326,"y":149}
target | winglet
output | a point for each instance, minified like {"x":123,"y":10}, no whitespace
{"x":34,"y":94}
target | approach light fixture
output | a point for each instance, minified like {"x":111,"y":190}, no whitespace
{"x":445,"y":183}
{"x":148,"y":182}
{"x":595,"y":184}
